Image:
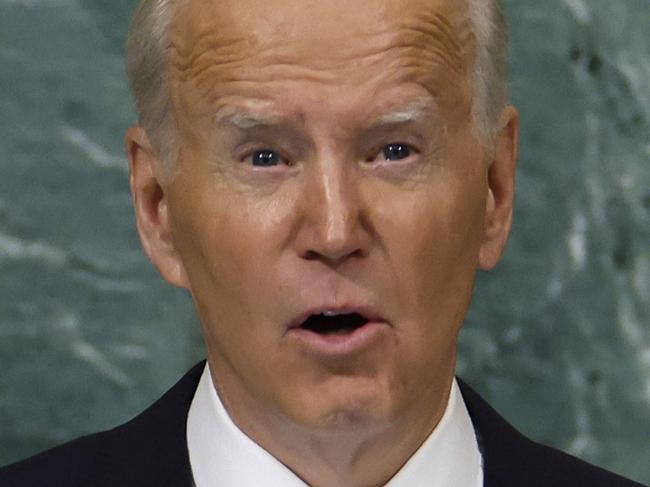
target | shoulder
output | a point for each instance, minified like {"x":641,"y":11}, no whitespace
{"x":149,"y":450}
{"x":72,"y":464}
{"x":511,"y":459}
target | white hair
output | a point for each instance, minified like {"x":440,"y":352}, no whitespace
{"x":489,"y":72}
{"x":148,"y":41}
{"x":146,"y":61}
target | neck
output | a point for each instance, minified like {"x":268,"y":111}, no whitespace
{"x":347,"y":456}
{"x":356,"y":458}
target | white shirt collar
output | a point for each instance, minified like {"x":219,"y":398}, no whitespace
{"x":221,"y":454}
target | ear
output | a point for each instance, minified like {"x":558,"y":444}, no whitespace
{"x":501,"y":188}
{"x":151,"y":210}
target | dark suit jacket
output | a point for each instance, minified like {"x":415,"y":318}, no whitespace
{"x":151,"y":451}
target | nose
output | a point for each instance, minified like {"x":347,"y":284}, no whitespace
{"x":334,"y":226}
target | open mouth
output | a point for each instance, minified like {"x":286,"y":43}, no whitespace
{"x":340,"y":324}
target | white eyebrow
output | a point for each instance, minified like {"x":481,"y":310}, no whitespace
{"x":245,"y":120}
{"x":413,"y":112}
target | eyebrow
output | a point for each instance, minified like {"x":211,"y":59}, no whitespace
{"x":415,"y":111}
{"x":246,"y":120}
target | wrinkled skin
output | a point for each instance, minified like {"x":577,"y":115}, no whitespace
{"x":333,"y":221}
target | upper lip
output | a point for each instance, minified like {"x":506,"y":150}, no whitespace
{"x":368,"y":312}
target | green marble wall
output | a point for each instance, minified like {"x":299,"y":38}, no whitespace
{"x":557,"y":337}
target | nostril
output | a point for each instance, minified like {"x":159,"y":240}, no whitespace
{"x":330,"y":256}
{"x":312,"y":255}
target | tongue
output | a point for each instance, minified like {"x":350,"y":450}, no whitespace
{"x":334,"y":325}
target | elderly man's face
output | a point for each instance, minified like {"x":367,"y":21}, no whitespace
{"x":327,"y":162}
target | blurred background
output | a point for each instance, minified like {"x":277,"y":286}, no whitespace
{"x":558,"y":336}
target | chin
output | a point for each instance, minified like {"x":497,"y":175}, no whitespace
{"x":349,"y":416}
{"x":351,"y":407}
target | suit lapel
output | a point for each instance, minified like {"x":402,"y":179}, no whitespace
{"x":506,"y":452}
{"x":151,"y":449}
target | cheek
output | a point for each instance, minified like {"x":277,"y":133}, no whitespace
{"x":227,"y":248}
{"x":226,"y":244}
{"x":433,"y":235}
{"x":229,"y":234}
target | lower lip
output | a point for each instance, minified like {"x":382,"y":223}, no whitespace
{"x":339,"y":345}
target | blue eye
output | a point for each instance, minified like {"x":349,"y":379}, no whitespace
{"x":265,"y":158}
{"x":396,"y":152}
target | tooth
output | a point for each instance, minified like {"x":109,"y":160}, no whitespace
{"x":330,"y":313}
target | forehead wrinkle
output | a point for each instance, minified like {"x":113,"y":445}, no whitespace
{"x":403,"y":62}
{"x":430,"y":33}
{"x":191,"y":57}
{"x":261,"y":73}
{"x":240,"y":63}
{"x":435,"y":35}
{"x":415,"y":49}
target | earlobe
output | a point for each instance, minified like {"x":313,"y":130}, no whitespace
{"x":151,"y":208}
{"x":500,"y":193}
